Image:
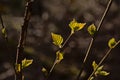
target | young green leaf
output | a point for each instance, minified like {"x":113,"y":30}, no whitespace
{"x":17,"y":68}
{"x":26,"y":63}
{"x":100,"y":68}
{"x":4,"y":32}
{"x":59,"y":56}
{"x":94,"y":65}
{"x":57,"y":39}
{"x":97,"y":72}
{"x":45,"y":71}
{"x":100,"y":72}
{"x":111,"y":43}
{"x":92,"y":29}
{"x":75,"y":26}
{"x":91,"y":78}
{"x":104,"y":73}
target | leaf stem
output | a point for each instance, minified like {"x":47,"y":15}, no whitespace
{"x":93,"y":38}
{"x":53,"y":66}
{"x":66,"y":40}
{"x":103,"y":59}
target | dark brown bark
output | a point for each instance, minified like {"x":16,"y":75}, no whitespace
{"x":20,"y":47}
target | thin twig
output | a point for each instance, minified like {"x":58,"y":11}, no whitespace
{"x":105,"y":12}
{"x":83,"y":64}
{"x":20,"y":48}
{"x":103,"y":59}
{"x":66,"y":40}
{"x":92,"y":40}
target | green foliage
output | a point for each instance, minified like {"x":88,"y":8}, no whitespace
{"x":75,"y":26}
{"x":57,"y":39}
{"x":44,"y":70}
{"x":59,"y":56}
{"x":112,"y":42}
{"x":26,"y":62}
{"x":91,"y":78}
{"x":94,"y":65}
{"x":92,"y":29}
{"x":4,"y":32}
{"x":104,"y":73}
{"x":99,"y":70}
{"x":17,"y":68}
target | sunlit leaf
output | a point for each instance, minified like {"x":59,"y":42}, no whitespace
{"x":17,"y":68}
{"x":44,"y":70}
{"x":100,"y":68}
{"x":104,"y":73}
{"x":111,"y":43}
{"x":4,"y":32}
{"x":57,"y":39}
{"x":26,"y":62}
{"x":91,"y":78}
{"x":94,"y":65}
{"x":79,"y":26}
{"x":100,"y":72}
{"x":92,"y":29}
{"x":75,"y":26}
{"x":96,"y":73}
{"x":59,"y":56}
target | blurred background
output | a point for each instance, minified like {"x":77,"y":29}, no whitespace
{"x":54,"y":16}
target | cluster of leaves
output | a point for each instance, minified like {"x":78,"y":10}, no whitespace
{"x":75,"y":26}
{"x":98,"y":70}
{"x":25,"y":63}
{"x":59,"y":41}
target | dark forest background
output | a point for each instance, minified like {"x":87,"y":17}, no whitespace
{"x":54,"y":16}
